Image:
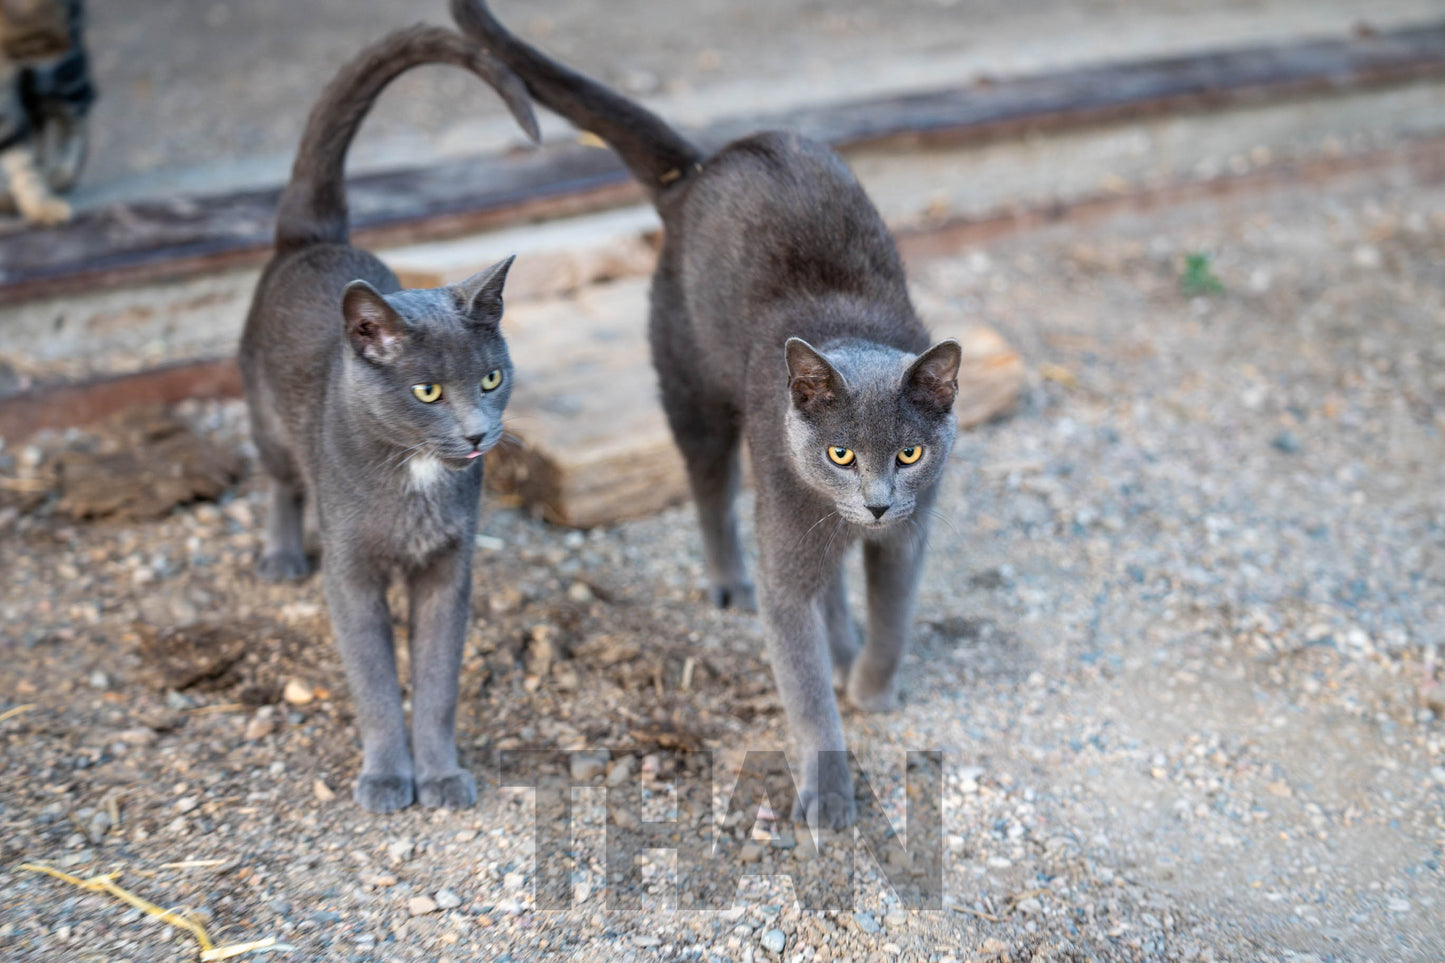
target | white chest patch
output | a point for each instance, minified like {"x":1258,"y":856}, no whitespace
{"x":425,"y":471}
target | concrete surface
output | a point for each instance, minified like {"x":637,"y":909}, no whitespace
{"x":198,"y":96}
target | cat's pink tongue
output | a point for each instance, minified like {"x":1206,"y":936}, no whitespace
{"x":475,"y":454}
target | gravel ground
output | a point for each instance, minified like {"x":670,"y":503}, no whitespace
{"x":1178,"y":641}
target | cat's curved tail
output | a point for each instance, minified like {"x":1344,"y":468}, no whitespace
{"x":658,"y":156}
{"x":313,"y":205}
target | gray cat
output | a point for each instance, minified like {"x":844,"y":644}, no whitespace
{"x":780,"y":314}
{"x":377,"y":404}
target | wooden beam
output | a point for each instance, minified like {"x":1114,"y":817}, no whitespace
{"x":149,"y":240}
{"x":587,"y":355}
{"x":593,"y":445}
{"x":69,"y":405}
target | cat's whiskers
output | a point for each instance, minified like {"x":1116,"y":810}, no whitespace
{"x":945,"y":519}
{"x":511,"y":439}
{"x":400,"y":459}
{"x":815,"y":525}
{"x":829,"y":544}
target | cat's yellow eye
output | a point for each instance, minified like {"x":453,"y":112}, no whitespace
{"x":909,"y":455}
{"x":491,"y":379}
{"x":427,"y":393}
{"x":841,"y":456}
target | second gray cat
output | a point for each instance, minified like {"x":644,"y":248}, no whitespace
{"x":780,"y":314}
{"x":377,"y":404}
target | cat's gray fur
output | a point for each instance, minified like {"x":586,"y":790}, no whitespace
{"x":331,"y":350}
{"x":780,"y":314}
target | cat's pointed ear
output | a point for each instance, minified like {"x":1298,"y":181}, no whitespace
{"x":480,"y":296}
{"x":373,"y":327}
{"x":932,"y":380}
{"x":811,"y":379}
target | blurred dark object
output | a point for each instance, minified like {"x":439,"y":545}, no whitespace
{"x":45,"y":92}
{"x":143,"y":463}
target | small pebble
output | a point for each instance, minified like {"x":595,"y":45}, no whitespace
{"x":1286,"y":442}
{"x":259,"y":727}
{"x":773,"y":941}
{"x":620,"y":772}
{"x":400,"y":850}
{"x":298,"y":693}
{"x":587,"y":766}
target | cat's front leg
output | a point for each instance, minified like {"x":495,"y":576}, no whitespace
{"x":798,"y":650}
{"x":67,"y":139}
{"x":356,"y":597}
{"x":440,"y":595}
{"x":892,"y":566}
{"x":842,"y":630}
{"x":29,"y":189}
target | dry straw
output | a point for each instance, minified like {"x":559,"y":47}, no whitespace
{"x":106,"y":884}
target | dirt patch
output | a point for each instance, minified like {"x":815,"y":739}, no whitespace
{"x":1185,"y":677}
{"x":250,"y":661}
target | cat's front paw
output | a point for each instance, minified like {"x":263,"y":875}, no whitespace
{"x":870,"y":693}
{"x":283,"y":566}
{"x":825,"y":810}
{"x":384,"y":794}
{"x":739,"y":595}
{"x":826,"y":799}
{"x":49,"y":212}
{"x":456,"y":790}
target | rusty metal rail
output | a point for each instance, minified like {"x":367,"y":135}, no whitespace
{"x":79,"y":403}
{"x":149,"y":240}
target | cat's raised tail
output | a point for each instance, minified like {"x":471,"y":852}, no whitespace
{"x":658,"y":156}
{"x":313,"y":206}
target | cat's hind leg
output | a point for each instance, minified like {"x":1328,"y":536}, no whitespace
{"x":707,"y":435}
{"x":283,"y":556}
{"x":706,"y":430}
{"x":439,"y":596}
